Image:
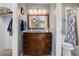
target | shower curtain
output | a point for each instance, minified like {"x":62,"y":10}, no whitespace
{"x":70,"y":28}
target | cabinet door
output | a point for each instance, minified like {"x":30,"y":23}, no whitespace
{"x":41,"y":46}
{"x":44,"y":46}
{"x":47,"y":46}
{"x":30,"y":46}
{"x":33,"y":46}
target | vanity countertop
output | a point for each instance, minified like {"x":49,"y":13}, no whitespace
{"x":36,"y":32}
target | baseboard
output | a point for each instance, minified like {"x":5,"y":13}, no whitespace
{"x":22,"y":53}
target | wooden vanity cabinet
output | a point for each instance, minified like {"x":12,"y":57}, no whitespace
{"x":37,"y":43}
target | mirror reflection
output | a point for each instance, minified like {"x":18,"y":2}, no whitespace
{"x":38,"y":21}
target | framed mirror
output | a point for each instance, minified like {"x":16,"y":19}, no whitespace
{"x":38,"y":21}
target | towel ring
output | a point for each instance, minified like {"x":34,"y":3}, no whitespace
{"x":22,"y":10}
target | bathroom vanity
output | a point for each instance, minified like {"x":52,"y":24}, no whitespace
{"x":37,"y":43}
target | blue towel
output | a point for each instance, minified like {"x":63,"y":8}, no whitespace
{"x":23,"y":25}
{"x":10,"y":27}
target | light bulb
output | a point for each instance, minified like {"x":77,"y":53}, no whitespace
{"x":44,"y":11}
{"x":35,"y":11}
{"x":30,"y":11}
{"x":39,"y":11}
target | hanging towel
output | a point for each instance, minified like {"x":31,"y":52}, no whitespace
{"x":23,"y":25}
{"x":9,"y":29}
{"x":70,"y":35}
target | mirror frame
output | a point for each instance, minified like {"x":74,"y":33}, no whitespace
{"x":38,"y":15}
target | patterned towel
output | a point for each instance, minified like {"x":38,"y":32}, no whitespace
{"x":70,"y":34}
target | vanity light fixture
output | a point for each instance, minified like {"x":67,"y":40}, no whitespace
{"x":37,"y":11}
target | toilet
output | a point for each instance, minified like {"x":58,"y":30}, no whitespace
{"x":66,"y":49}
